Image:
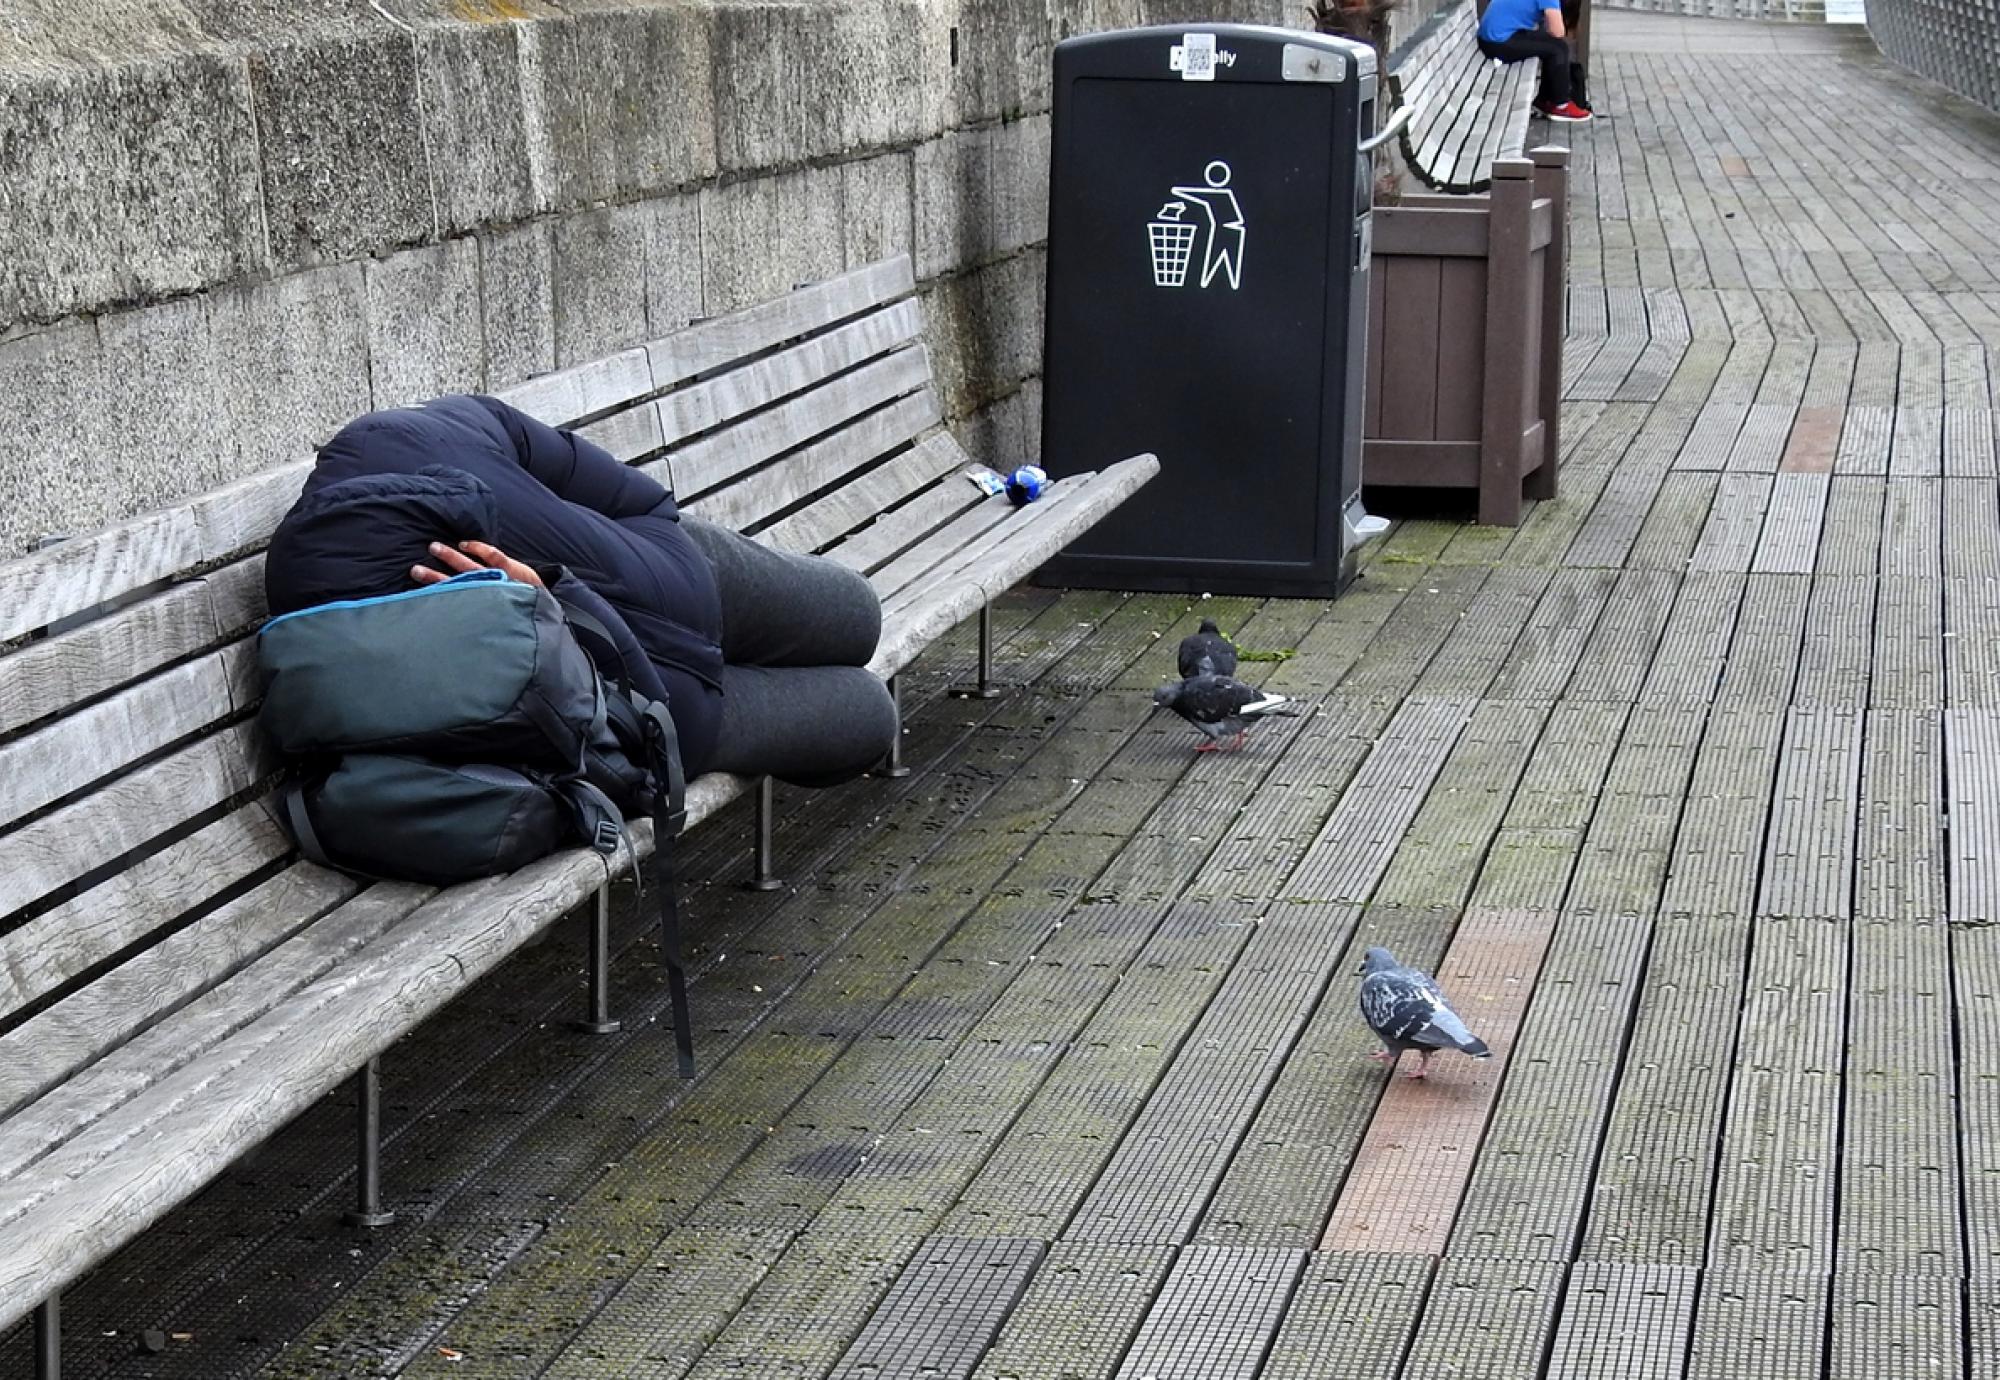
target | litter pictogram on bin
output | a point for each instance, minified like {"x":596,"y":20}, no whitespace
{"x":1173,"y":245}
{"x":1172,"y":233}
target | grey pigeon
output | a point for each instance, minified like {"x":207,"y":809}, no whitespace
{"x":1207,"y":652}
{"x":1220,"y":708}
{"x":1407,"y":1010}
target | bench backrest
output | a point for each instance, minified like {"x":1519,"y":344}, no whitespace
{"x":1469,"y":109}
{"x":138,"y":864}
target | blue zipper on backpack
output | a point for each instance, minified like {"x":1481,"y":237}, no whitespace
{"x":466,"y":580}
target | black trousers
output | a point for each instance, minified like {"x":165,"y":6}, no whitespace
{"x":1537,"y":43}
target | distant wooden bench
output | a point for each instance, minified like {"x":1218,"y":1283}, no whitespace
{"x":175,"y":983}
{"x":1469,"y":111}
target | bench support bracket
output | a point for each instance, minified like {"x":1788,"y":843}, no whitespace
{"x":48,"y":1338}
{"x":892,"y":765}
{"x":368,"y":1210}
{"x":764,"y":877}
{"x":597,"y":1018}
{"x":985,"y":689}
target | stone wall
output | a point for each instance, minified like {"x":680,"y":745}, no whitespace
{"x":226,"y":226}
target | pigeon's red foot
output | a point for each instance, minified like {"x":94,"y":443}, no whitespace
{"x":1236,"y":743}
{"x":1205,"y":745}
{"x":1418,"y":1072}
{"x":1381,"y":1056}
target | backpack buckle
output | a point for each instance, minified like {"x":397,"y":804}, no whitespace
{"x":607,"y":836}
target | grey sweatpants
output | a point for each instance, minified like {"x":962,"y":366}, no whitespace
{"x":797,"y":632}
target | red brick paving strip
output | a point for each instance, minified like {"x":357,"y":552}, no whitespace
{"x":1410,"y":1173}
{"x":1815,"y":439}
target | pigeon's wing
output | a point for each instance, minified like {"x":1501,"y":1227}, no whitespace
{"x":1445,"y":1030}
{"x":1211,"y":699}
{"x":1224,"y":657}
{"x":1396,"y":1008}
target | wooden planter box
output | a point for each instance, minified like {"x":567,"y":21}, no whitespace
{"x":1465,"y":320}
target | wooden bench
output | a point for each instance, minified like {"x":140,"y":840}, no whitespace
{"x":175,"y":983}
{"x":1468,"y":110}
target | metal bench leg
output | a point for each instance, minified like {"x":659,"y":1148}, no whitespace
{"x":368,"y":1210}
{"x":985,"y":689}
{"x":48,"y":1338}
{"x":597,"y":1018}
{"x":765,"y":877}
{"x":892,"y":765}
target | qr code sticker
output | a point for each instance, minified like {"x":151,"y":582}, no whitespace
{"x":1194,"y":57}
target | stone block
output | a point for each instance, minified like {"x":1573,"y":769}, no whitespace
{"x":56,"y":469}
{"x":424,"y":323}
{"x":985,"y":331}
{"x":600,"y":282}
{"x":125,"y":183}
{"x":517,"y":302}
{"x":673,"y":262}
{"x":759,"y":114}
{"x":764,"y":236}
{"x":618,"y":103}
{"x":1006,"y":49}
{"x":291,"y":362}
{"x":469,"y":78}
{"x":876,"y":210}
{"x":160,"y":389}
{"x":345,"y":170}
{"x":953,"y":194}
{"x":1019,"y":205}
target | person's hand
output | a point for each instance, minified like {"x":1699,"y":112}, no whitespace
{"x":473,"y":555}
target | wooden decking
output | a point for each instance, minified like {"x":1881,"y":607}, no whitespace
{"x":1047,"y":1064}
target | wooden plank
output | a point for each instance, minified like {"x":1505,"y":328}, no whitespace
{"x":1354,"y":1313}
{"x":890,"y":534}
{"x":1886,"y":1325}
{"x":57,"y":1042}
{"x":64,"y":845}
{"x":1624,"y":1322}
{"x":943,"y":1311}
{"x":713,"y":401}
{"x":85,"y":572}
{"x":51,"y":674}
{"x":1404,"y":1188}
{"x":50,"y":950}
{"x":869,"y":495}
{"x":584,"y":391}
{"x":1485,"y":1317}
{"x":1080,"y":1312}
{"x":711,"y":344}
{"x":72,"y":752}
{"x":1762,"y":1324}
{"x":746,"y":505}
{"x":1215,"y":1316}
{"x":723,"y":455}
{"x":125,"y":1072}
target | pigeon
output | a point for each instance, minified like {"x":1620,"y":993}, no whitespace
{"x":1220,"y":707}
{"x":1408,"y":1011}
{"x":1207,"y":653}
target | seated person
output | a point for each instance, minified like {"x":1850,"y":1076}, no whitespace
{"x":1515,"y":30}
{"x":758,"y":654}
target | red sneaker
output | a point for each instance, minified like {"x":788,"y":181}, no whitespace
{"x":1569,"y":112}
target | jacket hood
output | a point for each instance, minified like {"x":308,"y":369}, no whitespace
{"x":357,"y":538}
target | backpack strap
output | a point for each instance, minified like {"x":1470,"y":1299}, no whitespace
{"x":669,"y":818}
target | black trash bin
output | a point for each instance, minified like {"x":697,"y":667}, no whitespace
{"x":1207,"y":301}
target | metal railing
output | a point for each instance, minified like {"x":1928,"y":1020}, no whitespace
{"x":1955,"y":43}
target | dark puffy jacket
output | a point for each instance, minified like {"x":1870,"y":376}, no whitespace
{"x":473,"y":468}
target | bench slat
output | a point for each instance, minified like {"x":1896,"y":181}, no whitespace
{"x":724,"y":455}
{"x":867,"y":495}
{"x":93,"y":743}
{"x":50,"y":950}
{"x":894,"y":533}
{"x":711,"y":403}
{"x":712,"y":344}
{"x":922,"y":622}
{"x":917,"y":563}
{"x":66,"y":844}
{"x":586,"y":390}
{"x":119,"y":1076}
{"x":82,"y":573}
{"x":75,"y":1032}
{"x":773,"y":489}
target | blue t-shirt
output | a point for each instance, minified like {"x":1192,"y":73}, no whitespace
{"x":1505,"y":18}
